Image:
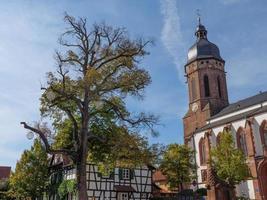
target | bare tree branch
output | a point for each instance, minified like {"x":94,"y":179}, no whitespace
{"x":46,"y":143}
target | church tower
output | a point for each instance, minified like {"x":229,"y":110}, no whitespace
{"x":206,"y":81}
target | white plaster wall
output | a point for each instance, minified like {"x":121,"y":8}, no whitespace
{"x":197,"y":138}
{"x":237,"y":124}
{"x":259,"y":118}
{"x":246,"y":189}
{"x":217,"y":130}
{"x":213,"y":139}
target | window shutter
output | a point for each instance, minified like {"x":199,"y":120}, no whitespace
{"x":120,"y":174}
{"x":131,"y":173}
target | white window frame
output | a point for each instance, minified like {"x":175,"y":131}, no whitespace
{"x":124,"y":196}
{"x":126,"y":174}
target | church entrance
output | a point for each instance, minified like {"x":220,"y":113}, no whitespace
{"x":263,"y":179}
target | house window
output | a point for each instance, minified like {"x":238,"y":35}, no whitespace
{"x":125,"y":174}
{"x":206,"y":86}
{"x":202,"y":151}
{"x":143,"y":195}
{"x":123,"y":196}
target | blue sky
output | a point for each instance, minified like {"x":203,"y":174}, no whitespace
{"x":28,"y":39}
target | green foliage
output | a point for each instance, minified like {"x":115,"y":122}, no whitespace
{"x":123,"y":149}
{"x":229,"y":162}
{"x":177,"y":165}
{"x":31,"y":173}
{"x":201,"y":192}
{"x":66,"y":187}
{"x":3,"y":185}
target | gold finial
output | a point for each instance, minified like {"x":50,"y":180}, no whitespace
{"x":198,"y":16}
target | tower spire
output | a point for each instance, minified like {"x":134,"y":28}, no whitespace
{"x":198,"y":16}
{"x":201,"y":31}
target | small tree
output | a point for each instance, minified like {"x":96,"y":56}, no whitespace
{"x":228,"y":161}
{"x":31,"y":174}
{"x":177,"y":165}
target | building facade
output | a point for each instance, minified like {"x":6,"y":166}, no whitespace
{"x":210,"y":113}
{"x":115,"y":184}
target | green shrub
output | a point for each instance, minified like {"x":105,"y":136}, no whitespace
{"x":201,"y":192}
{"x":66,"y":187}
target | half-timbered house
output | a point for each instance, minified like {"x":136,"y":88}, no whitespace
{"x":116,"y":184}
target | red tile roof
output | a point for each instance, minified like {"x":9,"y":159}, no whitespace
{"x":158,"y":176}
{"x":5,"y":172}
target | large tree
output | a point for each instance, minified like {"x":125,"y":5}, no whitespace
{"x":30,"y":178}
{"x":177,"y":165}
{"x":97,"y":70}
{"x":228,"y":161}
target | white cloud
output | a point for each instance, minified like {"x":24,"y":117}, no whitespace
{"x":171,"y":34}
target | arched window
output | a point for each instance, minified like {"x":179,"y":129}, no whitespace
{"x":202,"y":151}
{"x":263,"y":131}
{"x":206,"y":86}
{"x":218,"y":138}
{"x":241,"y":141}
{"x":193,"y":85}
{"x":219,"y":86}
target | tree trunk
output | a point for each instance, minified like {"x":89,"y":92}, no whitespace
{"x":232,"y":193}
{"x":181,"y":187}
{"x":81,"y":172}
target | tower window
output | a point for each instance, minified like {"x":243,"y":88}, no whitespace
{"x":219,"y":86}
{"x":206,"y":86}
{"x":193,"y":85}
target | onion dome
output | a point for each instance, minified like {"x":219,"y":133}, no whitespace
{"x":202,"y":48}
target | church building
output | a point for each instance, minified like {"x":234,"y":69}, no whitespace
{"x":210,"y":113}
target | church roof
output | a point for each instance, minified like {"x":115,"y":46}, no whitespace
{"x":203,"y":48}
{"x":242,"y":104}
{"x":237,"y":108}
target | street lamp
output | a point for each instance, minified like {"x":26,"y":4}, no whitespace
{"x":30,"y":135}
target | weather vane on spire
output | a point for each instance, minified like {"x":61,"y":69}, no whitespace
{"x":198,"y":16}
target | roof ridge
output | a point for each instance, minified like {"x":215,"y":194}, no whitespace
{"x":242,"y":104}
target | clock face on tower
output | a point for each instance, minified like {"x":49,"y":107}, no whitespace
{"x":194,"y":107}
